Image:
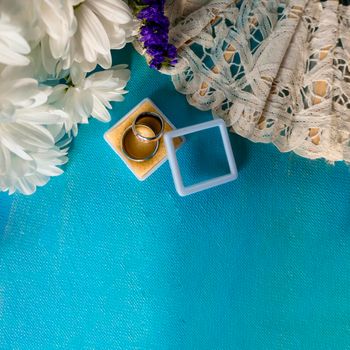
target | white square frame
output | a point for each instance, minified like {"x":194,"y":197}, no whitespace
{"x":174,"y":164}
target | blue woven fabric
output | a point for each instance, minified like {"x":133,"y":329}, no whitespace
{"x":98,"y":260}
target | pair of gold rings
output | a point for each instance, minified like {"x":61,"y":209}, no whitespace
{"x":140,"y":141}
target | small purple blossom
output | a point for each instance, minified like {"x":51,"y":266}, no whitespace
{"x":154,"y":33}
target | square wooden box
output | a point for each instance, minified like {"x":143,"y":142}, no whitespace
{"x":114,"y":135}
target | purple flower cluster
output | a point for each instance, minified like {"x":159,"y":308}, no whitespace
{"x":155,"y":33}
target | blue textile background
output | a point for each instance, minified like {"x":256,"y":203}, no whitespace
{"x":98,"y":260}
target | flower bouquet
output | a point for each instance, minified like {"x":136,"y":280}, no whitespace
{"x":49,"y":50}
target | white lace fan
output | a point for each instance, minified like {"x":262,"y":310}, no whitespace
{"x":275,"y":71}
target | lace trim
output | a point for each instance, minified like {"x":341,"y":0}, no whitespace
{"x":276,"y":71}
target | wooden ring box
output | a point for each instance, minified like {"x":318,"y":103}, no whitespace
{"x":142,"y":170}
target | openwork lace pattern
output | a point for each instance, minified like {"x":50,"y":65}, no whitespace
{"x":275,"y":71}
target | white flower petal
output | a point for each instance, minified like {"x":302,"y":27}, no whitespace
{"x":50,"y":170}
{"x":25,"y":186}
{"x":93,"y":35}
{"x":77,"y":74}
{"x":99,"y":111}
{"x":78,"y":104}
{"x":82,"y":32}
{"x":13,"y":47}
{"x":12,"y":146}
{"x":114,"y":11}
{"x":47,"y":57}
{"x":41,"y":115}
{"x":31,"y":135}
{"x":28,"y":153}
{"x":7,"y":56}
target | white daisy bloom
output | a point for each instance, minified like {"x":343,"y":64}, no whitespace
{"x":28,"y":154}
{"x":13,"y":46}
{"x":43,"y":39}
{"x":81,"y":33}
{"x":72,"y":33}
{"x":91,"y":97}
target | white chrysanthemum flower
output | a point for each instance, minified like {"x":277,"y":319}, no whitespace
{"x":76,"y":34}
{"x":43,"y":39}
{"x":81,"y":33}
{"x":13,"y":47}
{"x":28,"y":154}
{"x":91,"y":97}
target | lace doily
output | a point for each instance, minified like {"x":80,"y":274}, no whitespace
{"x":275,"y":71}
